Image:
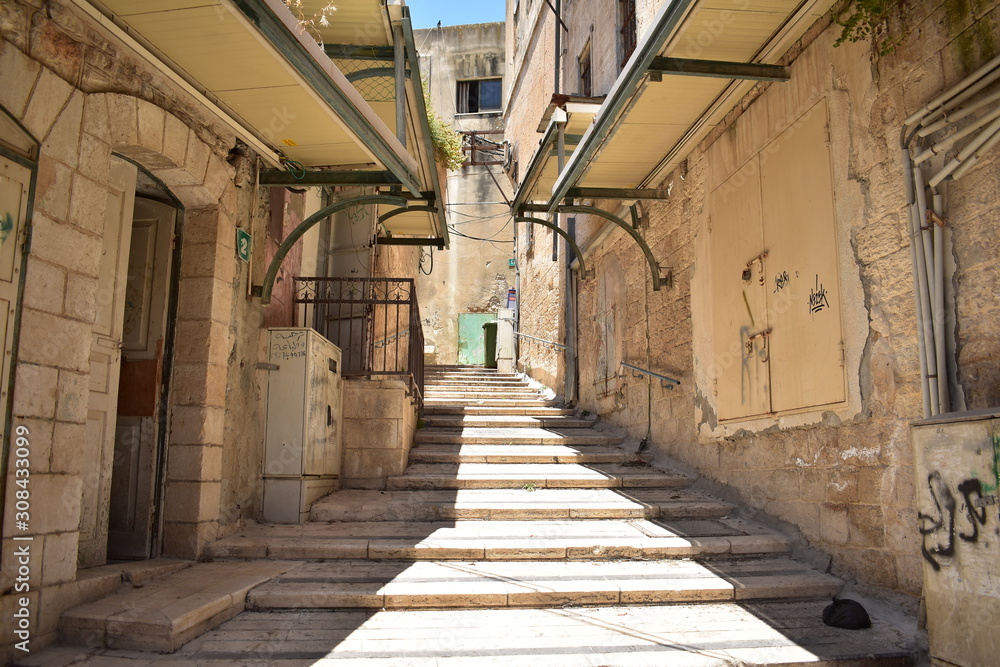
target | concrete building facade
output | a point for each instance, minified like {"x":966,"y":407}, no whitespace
{"x":788,"y":303}
{"x":464,"y":287}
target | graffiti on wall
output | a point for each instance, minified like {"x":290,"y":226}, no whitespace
{"x":964,"y":515}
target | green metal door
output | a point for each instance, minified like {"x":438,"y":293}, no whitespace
{"x":471,"y":350}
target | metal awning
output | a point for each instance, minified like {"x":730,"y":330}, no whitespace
{"x":699,"y":58}
{"x":543,"y":169}
{"x":253,"y":61}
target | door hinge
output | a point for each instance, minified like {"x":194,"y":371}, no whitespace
{"x":264,"y":366}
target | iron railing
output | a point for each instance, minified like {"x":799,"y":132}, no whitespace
{"x":374,"y":321}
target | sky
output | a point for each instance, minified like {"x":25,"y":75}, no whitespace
{"x":426,"y":13}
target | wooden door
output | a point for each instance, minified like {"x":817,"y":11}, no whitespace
{"x":137,"y":429}
{"x":105,"y":359}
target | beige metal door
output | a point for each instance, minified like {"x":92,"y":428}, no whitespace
{"x":105,"y":359}
{"x":803,"y":290}
{"x":143,"y":330}
{"x":740,"y":343}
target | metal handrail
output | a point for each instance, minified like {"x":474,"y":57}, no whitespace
{"x":540,"y":340}
{"x":665,"y":382}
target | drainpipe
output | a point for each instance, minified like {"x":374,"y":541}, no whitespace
{"x":558,"y":61}
{"x":927,"y":243}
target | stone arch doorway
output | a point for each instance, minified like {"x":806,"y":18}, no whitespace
{"x":153,"y":488}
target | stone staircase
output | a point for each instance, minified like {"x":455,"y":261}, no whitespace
{"x":520,"y":531}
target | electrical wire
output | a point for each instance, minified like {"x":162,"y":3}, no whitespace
{"x":452,"y":229}
{"x":425,"y":254}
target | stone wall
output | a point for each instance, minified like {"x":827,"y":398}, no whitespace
{"x":842,"y":476}
{"x":84,"y":96}
{"x":472,"y":276}
{"x":379,"y":422}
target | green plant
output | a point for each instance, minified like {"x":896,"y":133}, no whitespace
{"x":863,"y":19}
{"x":447,"y":142}
{"x":529,"y":486}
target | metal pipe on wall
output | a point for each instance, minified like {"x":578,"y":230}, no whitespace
{"x":940,"y":349}
{"x":914,"y":216}
{"x":927,"y":240}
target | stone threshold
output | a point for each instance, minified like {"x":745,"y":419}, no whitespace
{"x":165,"y":612}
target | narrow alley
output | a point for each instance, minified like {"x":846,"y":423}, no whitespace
{"x":518,"y":532}
{"x":581,"y":332}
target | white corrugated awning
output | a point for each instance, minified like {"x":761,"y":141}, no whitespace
{"x":699,"y":58}
{"x":253,"y":60}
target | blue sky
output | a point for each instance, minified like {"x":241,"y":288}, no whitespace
{"x":426,"y":13}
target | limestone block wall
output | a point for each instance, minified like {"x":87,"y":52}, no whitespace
{"x":84,"y":96}
{"x":379,"y":423}
{"x":844,"y":475}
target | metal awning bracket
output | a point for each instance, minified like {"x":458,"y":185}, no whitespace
{"x":654,"y":267}
{"x":264,"y":291}
{"x":717,"y":69}
{"x":562,"y":232}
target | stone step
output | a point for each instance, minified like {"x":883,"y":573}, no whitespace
{"x":533,"y":475}
{"x":504,"y":421}
{"x":462,"y":383}
{"x":492,"y":402}
{"x":164,"y":613}
{"x":779,"y":633}
{"x":485,"y":373}
{"x":456,"y":453}
{"x":479,"y":410}
{"x":474,"y":584}
{"x":501,"y":540}
{"x":469,"y":394}
{"x":506,"y":504}
{"x":516,"y":436}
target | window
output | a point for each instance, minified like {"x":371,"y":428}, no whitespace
{"x":478,"y":96}
{"x":586,"y":87}
{"x":627,"y":28}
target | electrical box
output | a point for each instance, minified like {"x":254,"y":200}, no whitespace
{"x":302,"y":441}
{"x":956,"y":459}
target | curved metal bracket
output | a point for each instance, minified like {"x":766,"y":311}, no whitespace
{"x":374,"y":72}
{"x":563,"y":233}
{"x":592,"y":210}
{"x":410,"y":209}
{"x":303,"y":227}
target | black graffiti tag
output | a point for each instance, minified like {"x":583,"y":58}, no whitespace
{"x":817,"y":297}
{"x":967,"y":488}
{"x":938,"y":488}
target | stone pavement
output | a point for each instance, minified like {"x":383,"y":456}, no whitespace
{"x":518,"y":532}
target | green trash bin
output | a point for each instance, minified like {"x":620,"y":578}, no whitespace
{"x":490,"y":344}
